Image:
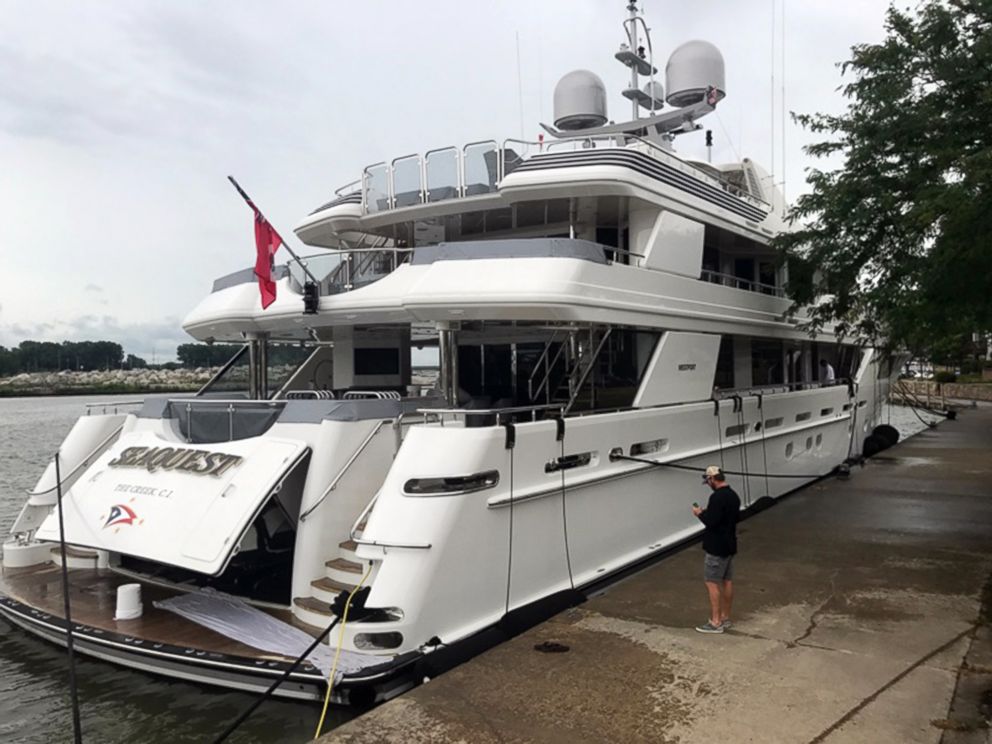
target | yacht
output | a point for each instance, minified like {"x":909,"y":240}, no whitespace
{"x":608,"y":318}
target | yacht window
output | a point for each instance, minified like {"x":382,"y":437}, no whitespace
{"x":766,"y":277}
{"x":453,"y":485}
{"x":473,"y":223}
{"x":499,"y":219}
{"x":646,"y":448}
{"x":804,"y":416}
{"x":531,"y":214}
{"x":737,"y":430}
{"x":826,"y":411}
{"x":788,"y":450}
{"x":766,"y":362}
{"x":557,"y":211}
{"x":724,"y":378}
{"x":773,"y":422}
{"x":569,"y":461}
{"x":377,"y":361}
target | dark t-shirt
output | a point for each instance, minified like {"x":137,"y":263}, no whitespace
{"x":720,"y":519}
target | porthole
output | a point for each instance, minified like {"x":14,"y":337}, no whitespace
{"x":788,"y":450}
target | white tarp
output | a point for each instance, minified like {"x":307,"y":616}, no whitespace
{"x":182,"y":504}
{"x":236,"y":619}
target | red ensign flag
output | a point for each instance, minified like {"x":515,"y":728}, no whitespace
{"x":267,"y":242}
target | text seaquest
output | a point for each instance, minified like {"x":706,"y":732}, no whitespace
{"x":199,"y":462}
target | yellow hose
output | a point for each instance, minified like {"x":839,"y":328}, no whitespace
{"x":337,"y":654}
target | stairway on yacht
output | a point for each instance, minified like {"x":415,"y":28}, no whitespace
{"x":341,"y":574}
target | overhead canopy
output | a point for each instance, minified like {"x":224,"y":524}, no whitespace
{"x":183,"y":505}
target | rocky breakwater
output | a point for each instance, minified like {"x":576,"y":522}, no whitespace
{"x":69,"y":382}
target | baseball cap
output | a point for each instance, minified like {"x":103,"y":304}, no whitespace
{"x":713,"y":471}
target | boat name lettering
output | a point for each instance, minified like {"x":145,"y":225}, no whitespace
{"x":686,"y":367}
{"x":198,"y":462}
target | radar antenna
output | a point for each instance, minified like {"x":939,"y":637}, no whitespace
{"x":694,"y":80}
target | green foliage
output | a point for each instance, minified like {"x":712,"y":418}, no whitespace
{"x":944,"y":376}
{"x":47,"y":356}
{"x":896,"y":242}
{"x":202,"y":355}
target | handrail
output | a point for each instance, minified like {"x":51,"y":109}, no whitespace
{"x":616,"y":140}
{"x":114,"y":404}
{"x":545,"y":382}
{"x":582,"y":378}
{"x":343,"y":470}
{"x":498,"y":412}
{"x":735,"y":282}
{"x":227,"y":402}
{"x":340,"y":191}
{"x":82,"y":463}
{"x":537,"y":364}
{"x":375,"y":543}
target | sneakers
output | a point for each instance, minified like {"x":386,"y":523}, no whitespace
{"x":709,"y":627}
{"x":726,"y":624}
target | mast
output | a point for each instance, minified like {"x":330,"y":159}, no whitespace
{"x":632,"y":35}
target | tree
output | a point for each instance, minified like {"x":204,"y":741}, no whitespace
{"x":202,"y":355}
{"x":134,"y":362}
{"x":894,"y":246}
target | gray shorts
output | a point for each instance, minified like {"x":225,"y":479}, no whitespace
{"x":716,"y":568}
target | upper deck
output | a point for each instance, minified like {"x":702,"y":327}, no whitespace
{"x":488,"y":174}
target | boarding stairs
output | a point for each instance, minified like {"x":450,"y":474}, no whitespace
{"x":341,"y":574}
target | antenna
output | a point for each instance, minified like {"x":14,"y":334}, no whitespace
{"x":785,"y":173}
{"x":771,"y":102}
{"x":520,"y":89}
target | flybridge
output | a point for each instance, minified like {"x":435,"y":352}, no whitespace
{"x":478,"y":168}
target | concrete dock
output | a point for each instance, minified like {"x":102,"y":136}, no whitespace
{"x":859,"y":617}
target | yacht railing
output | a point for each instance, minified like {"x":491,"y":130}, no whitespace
{"x":499,"y":413}
{"x":728,"y":280}
{"x":337,"y":478}
{"x":478,"y":167}
{"x":111,"y":404}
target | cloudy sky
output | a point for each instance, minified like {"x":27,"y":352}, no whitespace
{"x":120,"y":119}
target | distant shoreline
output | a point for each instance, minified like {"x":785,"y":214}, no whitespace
{"x":42,"y":392}
{"x":105,"y":382}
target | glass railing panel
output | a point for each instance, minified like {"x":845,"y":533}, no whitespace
{"x":442,"y":174}
{"x":321,"y":265}
{"x":407,"y":186}
{"x":481,"y":163}
{"x":376,"y":184}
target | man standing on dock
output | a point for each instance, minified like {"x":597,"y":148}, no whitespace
{"x":720,"y":543}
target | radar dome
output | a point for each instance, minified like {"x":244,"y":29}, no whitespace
{"x":691,"y":70}
{"x":580,"y":101}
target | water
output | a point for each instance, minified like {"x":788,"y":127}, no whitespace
{"x":118,"y":704}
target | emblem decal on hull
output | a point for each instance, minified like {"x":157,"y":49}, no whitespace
{"x":120,"y":514}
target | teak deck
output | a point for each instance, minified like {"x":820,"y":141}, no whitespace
{"x":93,"y":599}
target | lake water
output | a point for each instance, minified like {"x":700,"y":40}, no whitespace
{"x":119,"y":705}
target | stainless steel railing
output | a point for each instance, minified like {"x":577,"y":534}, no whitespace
{"x":478,"y":167}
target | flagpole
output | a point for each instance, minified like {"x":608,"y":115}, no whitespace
{"x":281,"y":240}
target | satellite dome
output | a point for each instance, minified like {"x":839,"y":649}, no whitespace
{"x":693,"y":68}
{"x":580,"y":101}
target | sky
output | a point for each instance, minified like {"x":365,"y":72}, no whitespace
{"x":120,"y":120}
